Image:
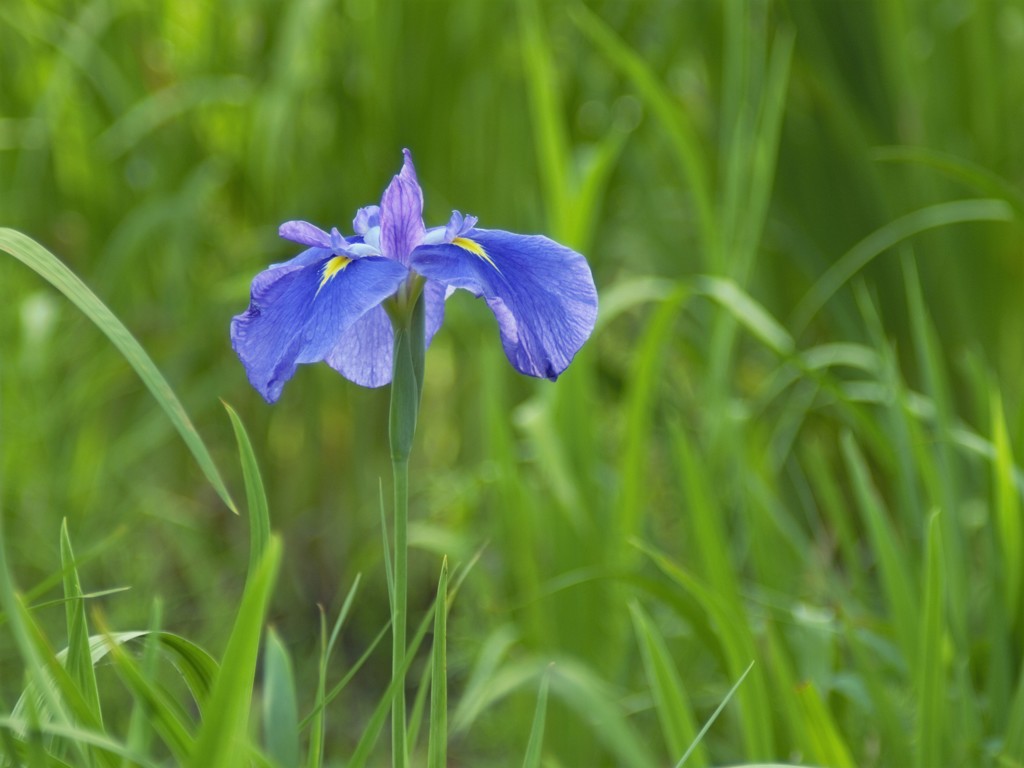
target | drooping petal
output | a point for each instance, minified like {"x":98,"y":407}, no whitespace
{"x":401,"y":214}
{"x":304,"y":233}
{"x":541,"y":293}
{"x":363,"y":355}
{"x":299,"y":311}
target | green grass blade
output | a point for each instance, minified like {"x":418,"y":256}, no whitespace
{"x":1012,"y":752}
{"x":722,"y":603}
{"x":319,"y":714}
{"x":747,"y":311}
{"x":437,"y":750}
{"x":895,"y":578}
{"x":79,"y":657}
{"x":640,"y":406}
{"x":982,"y":179}
{"x":37,"y":258}
{"x":164,"y":714}
{"x":854,"y":260}
{"x":553,"y":159}
{"x":671,"y":703}
{"x":932,"y":718}
{"x":683,"y":137}
{"x":280,"y":708}
{"x":535,"y":746}
{"x":53,"y":690}
{"x":944,"y":485}
{"x":255,"y":494}
{"x":74,"y":735}
{"x":714,"y":716}
{"x":419,"y":707}
{"x":589,"y":697}
{"x":340,"y":685}
{"x":1007,"y":512}
{"x":139,"y":732}
{"x":475,"y":693}
{"x":372,"y":730}
{"x":226,"y":715}
{"x":817,"y":723}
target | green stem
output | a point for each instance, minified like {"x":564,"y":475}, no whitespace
{"x":406,"y":385}
{"x":400,"y":469}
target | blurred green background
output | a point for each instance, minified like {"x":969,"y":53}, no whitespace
{"x":804,"y":221}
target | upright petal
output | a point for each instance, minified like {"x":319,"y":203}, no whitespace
{"x":298,"y":312}
{"x":363,"y":354}
{"x":541,"y":293}
{"x":401,"y":214}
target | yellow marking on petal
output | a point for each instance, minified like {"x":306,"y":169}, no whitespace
{"x":475,"y":248}
{"x":331,"y":268}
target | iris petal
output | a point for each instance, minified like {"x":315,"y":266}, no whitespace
{"x":541,"y":293}
{"x":298,"y":312}
{"x":401,"y":214}
{"x":363,"y":354}
{"x":304,"y":233}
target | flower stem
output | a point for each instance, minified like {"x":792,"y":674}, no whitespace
{"x":399,"y":749}
{"x":406,"y":385}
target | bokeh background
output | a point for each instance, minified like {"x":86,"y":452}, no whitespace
{"x":789,"y":441}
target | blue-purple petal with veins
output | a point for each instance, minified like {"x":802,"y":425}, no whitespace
{"x":542,"y":293}
{"x":298,"y":311}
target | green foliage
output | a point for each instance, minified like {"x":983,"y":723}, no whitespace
{"x":793,"y":441}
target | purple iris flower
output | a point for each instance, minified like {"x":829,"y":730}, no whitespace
{"x":328,"y":303}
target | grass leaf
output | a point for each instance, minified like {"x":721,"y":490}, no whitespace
{"x":255,"y":495}
{"x":437,"y":751}
{"x":53,"y":270}
{"x":280,"y":708}
{"x":226,"y":716}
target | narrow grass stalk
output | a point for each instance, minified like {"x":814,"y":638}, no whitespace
{"x":437,"y":755}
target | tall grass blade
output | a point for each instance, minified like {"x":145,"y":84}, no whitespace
{"x":37,"y":258}
{"x":255,"y":495}
{"x":280,"y":706}
{"x":140,"y":735}
{"x":945,"y":484}
{"x":372,"y":729}
{"x":226,"y":715}
{"x":319,"y":715}
{"x":535,"y":746}
{"x":1007,"y":513}
{"x":982,"y":179}
{"x":725,"y":609}
{"x":167,"y":718}
{"x":553,"y":159}
{"x":714,"y":716}
{"x":477,"y":689}
{"x":879,"y":241}
{"x":1012,"y":752}
{"x":894,"y":576}
{"x":588,"y":696}
{"x":437,"y":750}
{"x":79,"y":656}
{"x":820,"y":728}
{"x":748,"y":312}
{"x":73,"y":735}
{"x":683,"y":136}
{"x":932,"y":716}
{"x":675,"y":713}
{"x":640,"y":404}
